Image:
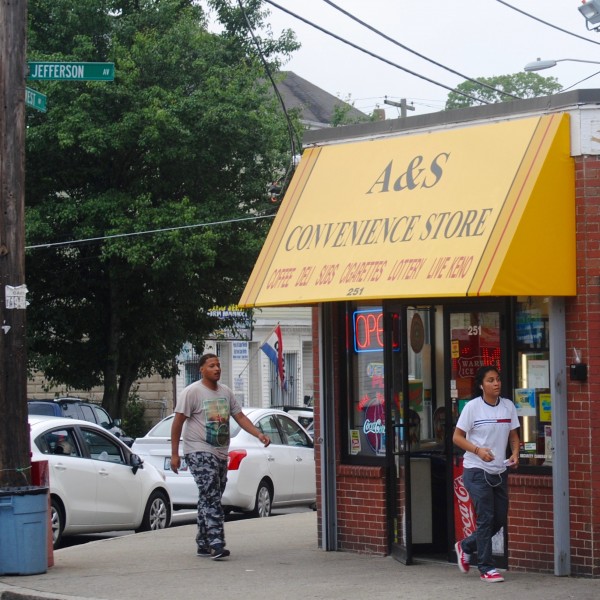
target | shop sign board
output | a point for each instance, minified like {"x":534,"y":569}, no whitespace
{"x":449,"y":213}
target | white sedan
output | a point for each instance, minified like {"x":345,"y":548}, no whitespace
{"x":97,"y":483}
{"x":258,"y":478}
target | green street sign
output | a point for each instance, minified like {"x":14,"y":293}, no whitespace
{"x":35,"y":99}
{"x":74,"y":71}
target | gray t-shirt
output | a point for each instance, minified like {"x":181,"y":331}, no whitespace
{"x":206,"y":428}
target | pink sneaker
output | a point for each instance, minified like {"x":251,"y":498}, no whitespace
{"x":491,"y":576}
{"x":463,"y":559}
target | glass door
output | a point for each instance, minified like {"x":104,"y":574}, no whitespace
{"x":408,"y":401}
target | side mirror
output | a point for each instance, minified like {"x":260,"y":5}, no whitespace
{"x":117,"y":422}
{"x":136,"y":463}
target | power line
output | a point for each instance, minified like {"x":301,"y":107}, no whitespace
{"x":581,"y":37}
{"x":397,"y":43}
{"x":385,"y":60}
{"x":138,"y":233}
{"x":580,"y":81}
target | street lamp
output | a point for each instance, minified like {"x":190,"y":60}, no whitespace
{"x":539,"y":64}
{"x":591,"y":11}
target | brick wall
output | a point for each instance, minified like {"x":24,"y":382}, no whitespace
{"x":583,"y":333}
{"x":530,"y":524}
{"x":361,"y":509}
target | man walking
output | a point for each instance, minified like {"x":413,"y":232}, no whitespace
{"x":202,"y":414}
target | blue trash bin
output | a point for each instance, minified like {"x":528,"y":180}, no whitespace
{"x":23,"y":530}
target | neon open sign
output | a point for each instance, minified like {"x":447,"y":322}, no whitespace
{"x":368,"y":330}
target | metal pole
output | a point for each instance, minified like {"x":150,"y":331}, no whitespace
{"x":560,"y":439}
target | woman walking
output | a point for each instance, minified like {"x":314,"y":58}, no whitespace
{"x":485,"y":426}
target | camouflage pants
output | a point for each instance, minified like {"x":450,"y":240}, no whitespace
{"x":210,"y":475}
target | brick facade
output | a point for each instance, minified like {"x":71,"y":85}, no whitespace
{"x":583,"y":333}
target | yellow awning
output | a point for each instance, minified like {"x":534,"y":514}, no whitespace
{"x":485,"y":210}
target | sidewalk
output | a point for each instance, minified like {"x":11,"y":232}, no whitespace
{"x":271,"y":558}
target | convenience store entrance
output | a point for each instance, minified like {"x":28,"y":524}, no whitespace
{"x":431,"y":356}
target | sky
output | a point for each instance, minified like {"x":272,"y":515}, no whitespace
{"x":477,"y":38}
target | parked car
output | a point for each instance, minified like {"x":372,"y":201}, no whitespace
{"x":258,"y":478}
{"x":77,"y":408}
{"x":97,"y":483}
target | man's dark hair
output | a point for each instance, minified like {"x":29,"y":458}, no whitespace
{"x":205,"y":357}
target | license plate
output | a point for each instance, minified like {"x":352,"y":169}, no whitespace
{"x":182,"y":467}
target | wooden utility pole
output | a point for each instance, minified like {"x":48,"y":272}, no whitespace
{"x":402,"y":105}
{"x":15,"y":460}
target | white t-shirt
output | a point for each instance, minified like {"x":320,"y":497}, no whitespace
{"x":488,"y":427}
{"x":206,"y":428}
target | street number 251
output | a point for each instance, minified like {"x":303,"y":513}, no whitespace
{"x":355,"y":291}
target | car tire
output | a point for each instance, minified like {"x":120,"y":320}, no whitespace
{"x":57,"y":520}
{"x":157,"y":514}
{"x":264,"y":500}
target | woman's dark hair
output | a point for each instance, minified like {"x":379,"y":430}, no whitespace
{"x":205,"y":357}
{"x":480,"y":376}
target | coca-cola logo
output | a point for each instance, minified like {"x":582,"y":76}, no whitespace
{"x":374,"y":424}
{"x":464,"y":506}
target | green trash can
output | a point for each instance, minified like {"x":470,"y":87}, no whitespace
{"x":23,"y":530}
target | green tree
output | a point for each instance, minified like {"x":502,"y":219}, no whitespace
{"x":188,"y":133}
{"x":523,"y":85}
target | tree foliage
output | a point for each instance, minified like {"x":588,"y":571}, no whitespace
{"x":523,"y":85}
{"x":182,"y":143}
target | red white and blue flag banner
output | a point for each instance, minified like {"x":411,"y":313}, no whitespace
{"x":273,"y":348}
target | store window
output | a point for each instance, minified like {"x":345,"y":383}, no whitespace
{"x":364,"y":360}
{"x":532,"y":396}
{"x":366,"y":410}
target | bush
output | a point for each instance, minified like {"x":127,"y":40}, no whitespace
{"x":133,"y":421}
